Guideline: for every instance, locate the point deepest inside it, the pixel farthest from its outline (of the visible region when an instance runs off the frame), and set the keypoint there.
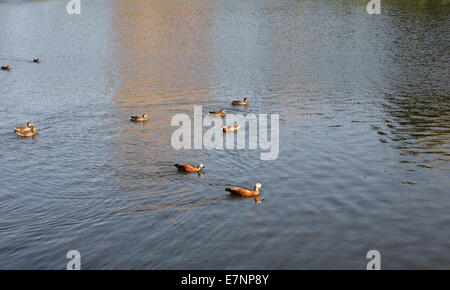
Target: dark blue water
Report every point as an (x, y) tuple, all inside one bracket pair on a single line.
[(364, 134)]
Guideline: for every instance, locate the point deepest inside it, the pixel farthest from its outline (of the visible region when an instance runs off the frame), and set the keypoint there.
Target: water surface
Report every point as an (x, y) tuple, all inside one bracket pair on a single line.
[(364, 134)]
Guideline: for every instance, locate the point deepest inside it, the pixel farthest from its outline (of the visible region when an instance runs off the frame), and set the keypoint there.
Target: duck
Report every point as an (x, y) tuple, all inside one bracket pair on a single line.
[(28, 133), (220, 113), (8, 67), (37, 60), (244, 191), (137, 118), (189, 168), (240, 103), (233, 128), (25, 128)]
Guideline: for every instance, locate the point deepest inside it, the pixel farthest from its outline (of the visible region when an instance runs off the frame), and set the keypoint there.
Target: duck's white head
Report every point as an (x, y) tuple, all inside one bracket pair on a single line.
[(258, 185), (201, 165)]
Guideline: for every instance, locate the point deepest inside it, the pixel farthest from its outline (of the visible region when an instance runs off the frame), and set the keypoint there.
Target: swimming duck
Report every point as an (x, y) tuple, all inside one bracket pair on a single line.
[(25, 128), (6, 67), (28, 133), (136, 118), (240, 103), (233, 128), (37, 60), (220, 113), (244, 191), (189, 168)]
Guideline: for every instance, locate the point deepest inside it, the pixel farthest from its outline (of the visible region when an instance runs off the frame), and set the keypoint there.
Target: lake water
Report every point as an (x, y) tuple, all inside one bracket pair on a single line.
[(364, 161)]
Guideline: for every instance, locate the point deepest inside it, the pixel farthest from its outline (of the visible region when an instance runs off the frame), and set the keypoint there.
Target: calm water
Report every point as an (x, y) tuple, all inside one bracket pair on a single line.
[(364, 162)]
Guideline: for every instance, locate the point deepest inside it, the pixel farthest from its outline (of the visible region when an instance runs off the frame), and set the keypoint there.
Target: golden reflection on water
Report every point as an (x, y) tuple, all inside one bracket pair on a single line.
[(162, 55)]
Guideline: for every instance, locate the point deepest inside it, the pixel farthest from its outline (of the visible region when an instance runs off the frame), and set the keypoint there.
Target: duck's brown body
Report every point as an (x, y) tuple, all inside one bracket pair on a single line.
[(6, 67), (188, 167), (240, 103), (244, 191), (37, 60), (28, 133), (23, 129), (136, 118), (220, 113), (230, 128)]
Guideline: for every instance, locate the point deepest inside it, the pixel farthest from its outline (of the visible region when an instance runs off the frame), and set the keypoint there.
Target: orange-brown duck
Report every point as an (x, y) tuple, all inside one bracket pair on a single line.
[(29, 133), (240, 103), (220, 113), (188, 167), (233, 128), (137, 118), (24, 128), (244, 191)]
